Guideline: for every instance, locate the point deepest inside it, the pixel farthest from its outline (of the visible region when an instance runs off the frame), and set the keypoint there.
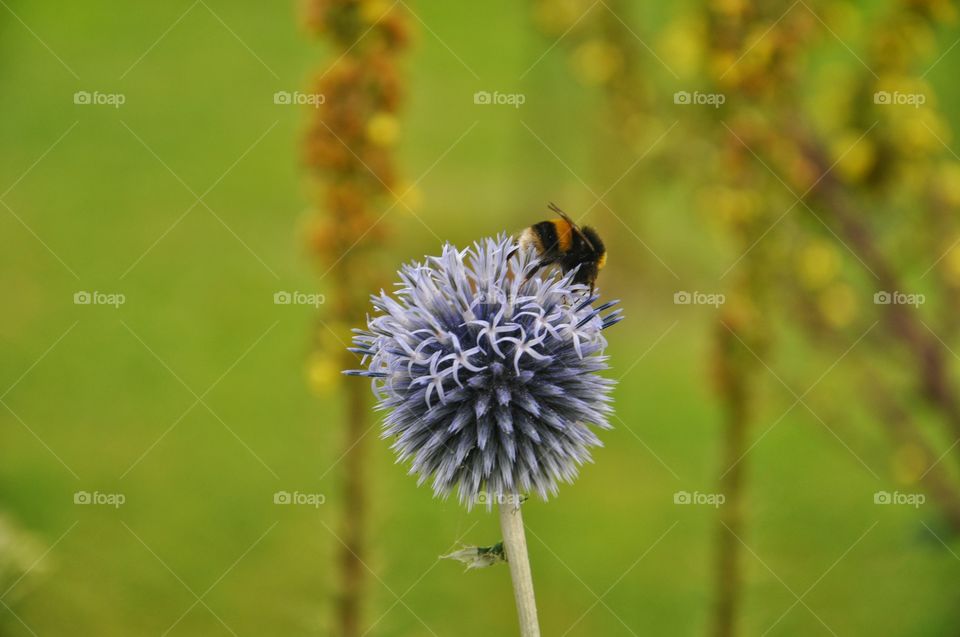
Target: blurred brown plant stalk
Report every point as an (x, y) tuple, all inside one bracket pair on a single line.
[(741, 341), (870, 195), (836, 195), (349, 153), (828, 168), (734, 370), (869, 188)]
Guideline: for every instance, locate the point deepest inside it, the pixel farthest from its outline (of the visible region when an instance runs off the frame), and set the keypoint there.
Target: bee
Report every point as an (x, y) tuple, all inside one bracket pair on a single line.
[(562, 242)]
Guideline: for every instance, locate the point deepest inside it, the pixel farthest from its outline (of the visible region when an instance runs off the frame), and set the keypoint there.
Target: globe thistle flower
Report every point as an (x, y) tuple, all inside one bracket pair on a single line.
[(491, 381)]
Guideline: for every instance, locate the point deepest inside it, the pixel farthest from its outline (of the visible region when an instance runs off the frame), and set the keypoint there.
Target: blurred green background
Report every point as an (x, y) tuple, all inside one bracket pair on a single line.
[(192, 398)]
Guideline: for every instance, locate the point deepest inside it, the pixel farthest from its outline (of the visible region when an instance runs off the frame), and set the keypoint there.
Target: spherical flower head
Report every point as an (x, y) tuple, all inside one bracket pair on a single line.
[(491, 380)]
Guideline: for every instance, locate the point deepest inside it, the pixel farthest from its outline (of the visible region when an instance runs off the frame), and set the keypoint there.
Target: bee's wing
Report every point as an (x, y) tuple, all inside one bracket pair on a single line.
[(573, 224)]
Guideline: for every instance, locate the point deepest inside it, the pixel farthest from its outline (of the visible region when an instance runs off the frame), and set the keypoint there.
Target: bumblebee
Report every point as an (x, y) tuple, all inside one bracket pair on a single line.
[(562, 242)]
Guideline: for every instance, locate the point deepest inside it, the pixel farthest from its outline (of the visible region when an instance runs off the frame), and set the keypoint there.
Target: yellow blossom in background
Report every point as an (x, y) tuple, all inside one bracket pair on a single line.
[(409, 197), (909, 463), (638, 129), (843, 18), (838, 305), (724, 68), (596, 61), (921, 38), (323, 373), (831, 103), (682, 44), (921, 132), (557, 16), (323, 366), (373, 10), (641, 132), (854, 154), (818, 264), (943, 10), (951, 266), (910, 120), (729, 206), (947, 180), (741, 313), (759, 46), (383, 129), (800, 172), (729, 8), (915, 176), (905, 85)]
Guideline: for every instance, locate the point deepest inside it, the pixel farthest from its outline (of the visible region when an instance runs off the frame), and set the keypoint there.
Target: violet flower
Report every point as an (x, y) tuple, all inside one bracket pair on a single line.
[(491, 381)]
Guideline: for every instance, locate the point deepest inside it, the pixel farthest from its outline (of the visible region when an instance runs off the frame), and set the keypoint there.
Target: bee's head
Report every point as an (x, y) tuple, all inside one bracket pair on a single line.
[(594, 238), (599, 251), (587, 273)]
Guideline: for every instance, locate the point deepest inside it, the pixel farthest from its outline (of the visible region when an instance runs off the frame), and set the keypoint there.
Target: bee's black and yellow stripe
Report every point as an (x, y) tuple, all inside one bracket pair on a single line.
[(554, 237)]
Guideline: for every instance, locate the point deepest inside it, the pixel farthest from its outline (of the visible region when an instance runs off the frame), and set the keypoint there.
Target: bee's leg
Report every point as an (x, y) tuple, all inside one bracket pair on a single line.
[(540, 264)]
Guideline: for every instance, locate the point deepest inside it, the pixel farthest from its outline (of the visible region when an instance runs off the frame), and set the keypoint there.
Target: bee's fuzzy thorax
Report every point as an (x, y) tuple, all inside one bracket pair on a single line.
[(529, 239)]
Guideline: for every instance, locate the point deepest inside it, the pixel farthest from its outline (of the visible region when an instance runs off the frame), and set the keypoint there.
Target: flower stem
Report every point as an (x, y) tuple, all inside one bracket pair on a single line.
[(515, 543), (352, 570)]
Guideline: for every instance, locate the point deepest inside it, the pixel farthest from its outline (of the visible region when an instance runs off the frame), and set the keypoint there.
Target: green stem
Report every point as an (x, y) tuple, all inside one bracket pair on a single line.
[(515, 543)]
